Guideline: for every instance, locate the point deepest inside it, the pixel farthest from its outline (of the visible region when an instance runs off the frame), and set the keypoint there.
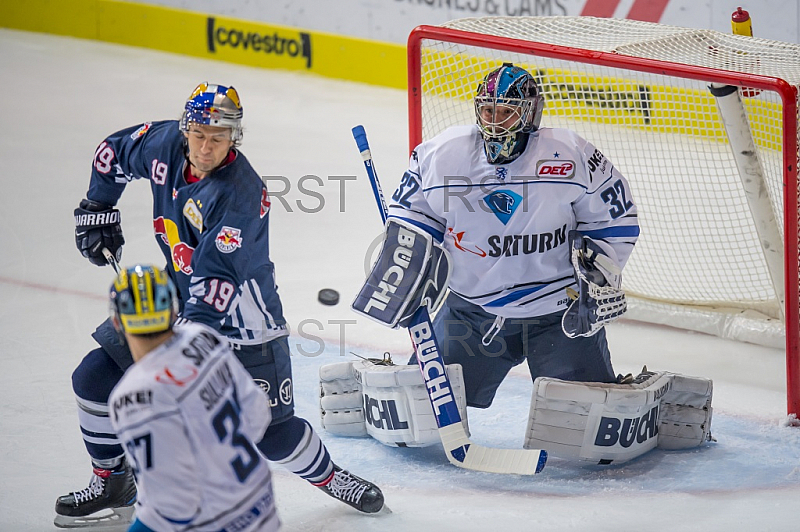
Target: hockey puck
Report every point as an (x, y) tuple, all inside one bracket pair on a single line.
[(328, 296)]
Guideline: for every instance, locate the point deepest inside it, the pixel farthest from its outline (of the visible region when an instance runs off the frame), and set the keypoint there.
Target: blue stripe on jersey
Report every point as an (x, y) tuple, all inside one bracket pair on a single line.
[(546, 294), (513, 296), (176, 521), (618, 231), (508, 184), (438, 235)]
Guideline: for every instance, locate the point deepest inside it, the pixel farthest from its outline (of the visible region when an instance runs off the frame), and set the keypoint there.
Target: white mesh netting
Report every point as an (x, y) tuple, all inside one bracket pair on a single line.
[(699, 263)]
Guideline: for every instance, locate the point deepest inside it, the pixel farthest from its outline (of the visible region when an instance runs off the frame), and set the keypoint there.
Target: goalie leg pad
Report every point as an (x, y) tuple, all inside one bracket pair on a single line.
[(685, 414), (411, 270), (596, 422), (388, 402), (397, 409), (340, 402), (605, 423)]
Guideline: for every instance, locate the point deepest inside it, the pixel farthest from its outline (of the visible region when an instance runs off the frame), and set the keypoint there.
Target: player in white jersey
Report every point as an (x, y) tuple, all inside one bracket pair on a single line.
[(510, 201), (188, 415), (530, 228)]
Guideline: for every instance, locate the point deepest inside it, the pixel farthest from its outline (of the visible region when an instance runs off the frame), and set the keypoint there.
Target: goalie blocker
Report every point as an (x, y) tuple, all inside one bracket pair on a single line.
[(388, 402), (605, 423), (412, 270)]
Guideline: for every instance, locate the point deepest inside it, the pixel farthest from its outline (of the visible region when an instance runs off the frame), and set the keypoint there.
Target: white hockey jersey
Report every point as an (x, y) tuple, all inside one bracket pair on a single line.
[(188, 415), (507, 226)]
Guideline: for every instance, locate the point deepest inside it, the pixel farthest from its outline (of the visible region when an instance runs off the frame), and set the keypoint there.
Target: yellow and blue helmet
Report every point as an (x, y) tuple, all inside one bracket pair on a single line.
[(214, 105), (143, 300)]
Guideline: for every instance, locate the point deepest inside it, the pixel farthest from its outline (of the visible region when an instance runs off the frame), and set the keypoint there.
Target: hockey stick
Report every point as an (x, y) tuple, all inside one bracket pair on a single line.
[(459, 449), (112, 260)]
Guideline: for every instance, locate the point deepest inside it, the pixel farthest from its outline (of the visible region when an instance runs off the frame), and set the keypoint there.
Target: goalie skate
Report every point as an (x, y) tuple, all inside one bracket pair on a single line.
[(354, 491), (107, 501)]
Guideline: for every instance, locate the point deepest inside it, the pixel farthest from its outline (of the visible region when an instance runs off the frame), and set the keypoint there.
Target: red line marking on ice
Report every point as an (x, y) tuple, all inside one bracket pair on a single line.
[(48, 288)]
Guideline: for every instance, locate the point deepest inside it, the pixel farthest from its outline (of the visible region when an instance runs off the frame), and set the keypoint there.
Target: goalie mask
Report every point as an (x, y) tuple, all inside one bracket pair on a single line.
[(214, 105), (143, 301), (508, 107)]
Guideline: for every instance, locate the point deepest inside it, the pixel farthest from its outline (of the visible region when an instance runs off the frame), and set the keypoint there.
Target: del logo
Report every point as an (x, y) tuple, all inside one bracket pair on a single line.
[(503, 203), (229, 239), (272, 43), (555, 168), (193, 214), (181, 252), (141, 131)]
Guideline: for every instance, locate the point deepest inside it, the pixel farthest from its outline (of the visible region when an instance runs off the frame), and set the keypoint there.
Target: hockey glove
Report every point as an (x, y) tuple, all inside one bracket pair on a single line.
[(97, 226), (599, 299)]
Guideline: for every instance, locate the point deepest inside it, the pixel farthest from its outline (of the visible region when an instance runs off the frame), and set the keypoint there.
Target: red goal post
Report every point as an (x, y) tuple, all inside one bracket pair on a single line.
[(718, 201)]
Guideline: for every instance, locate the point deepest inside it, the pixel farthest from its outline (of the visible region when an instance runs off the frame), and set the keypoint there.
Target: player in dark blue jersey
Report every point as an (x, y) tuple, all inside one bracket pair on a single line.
[(211, 221)]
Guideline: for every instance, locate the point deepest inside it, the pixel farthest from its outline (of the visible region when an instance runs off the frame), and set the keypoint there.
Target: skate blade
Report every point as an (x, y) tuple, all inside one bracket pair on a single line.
[(385, 510), (104, 518)]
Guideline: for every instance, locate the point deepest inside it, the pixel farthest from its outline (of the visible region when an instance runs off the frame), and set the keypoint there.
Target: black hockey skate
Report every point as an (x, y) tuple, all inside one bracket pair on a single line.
[(355, 491), (107, 501)]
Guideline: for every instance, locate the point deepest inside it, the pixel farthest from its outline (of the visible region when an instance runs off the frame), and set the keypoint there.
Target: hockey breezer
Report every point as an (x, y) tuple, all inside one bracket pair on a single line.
[(460, 451)]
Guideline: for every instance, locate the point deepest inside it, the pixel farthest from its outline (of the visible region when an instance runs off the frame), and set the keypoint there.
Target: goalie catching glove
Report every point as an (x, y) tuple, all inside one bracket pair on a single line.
[(412, 270), (599, 299), (388, 402)]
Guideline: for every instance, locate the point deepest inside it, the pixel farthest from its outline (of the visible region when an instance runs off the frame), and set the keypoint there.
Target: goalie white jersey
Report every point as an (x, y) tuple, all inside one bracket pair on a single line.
[(188, 415), (506, 226)]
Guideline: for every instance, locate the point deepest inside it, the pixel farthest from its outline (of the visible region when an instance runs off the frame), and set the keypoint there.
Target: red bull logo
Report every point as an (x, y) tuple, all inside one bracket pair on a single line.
[(181, 252), (229, 239), (182, 257), (141, 131)]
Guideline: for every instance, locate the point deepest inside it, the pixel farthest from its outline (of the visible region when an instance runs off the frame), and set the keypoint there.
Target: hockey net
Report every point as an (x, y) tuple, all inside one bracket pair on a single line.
[(640, 93)]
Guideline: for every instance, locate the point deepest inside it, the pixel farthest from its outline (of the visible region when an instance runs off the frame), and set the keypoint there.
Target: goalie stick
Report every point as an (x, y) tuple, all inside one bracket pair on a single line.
[(459, 449)]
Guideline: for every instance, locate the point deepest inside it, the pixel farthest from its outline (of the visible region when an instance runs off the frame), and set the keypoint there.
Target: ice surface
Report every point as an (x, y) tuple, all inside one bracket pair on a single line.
[(62, 96)]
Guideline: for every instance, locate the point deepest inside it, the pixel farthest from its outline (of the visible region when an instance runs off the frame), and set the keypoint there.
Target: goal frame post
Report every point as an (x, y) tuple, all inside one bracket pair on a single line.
[(787, 92)]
